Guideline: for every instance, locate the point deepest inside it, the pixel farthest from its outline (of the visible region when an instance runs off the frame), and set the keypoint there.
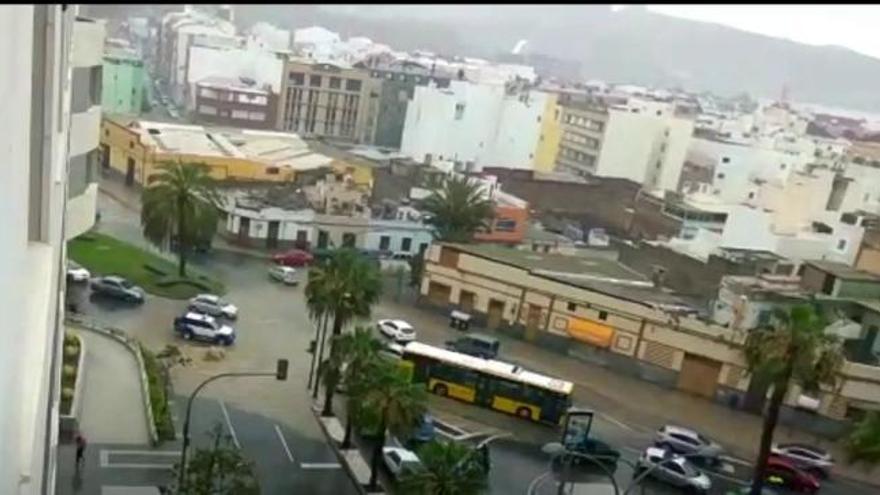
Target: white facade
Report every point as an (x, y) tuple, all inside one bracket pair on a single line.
[(399, 237), (264, 67), (477, 123), (648, 146), (265, 36), (35, 119)]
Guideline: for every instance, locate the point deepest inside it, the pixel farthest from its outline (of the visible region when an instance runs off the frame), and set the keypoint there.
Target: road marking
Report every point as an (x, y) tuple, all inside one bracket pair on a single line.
[(611, 419), (320, 465), (229, 424), (734, 460), (284, 443), (104, 459)]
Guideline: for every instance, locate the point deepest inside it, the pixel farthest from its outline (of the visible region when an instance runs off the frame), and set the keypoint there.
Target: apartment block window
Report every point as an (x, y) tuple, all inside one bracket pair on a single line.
[(725, 159), (314, 80), (384, 243), (459, 111), (297, 78), (352, 85), (505, 225), (603, 315), (572, 307), (841, 244), (272, 170), (406, 244), (207, 110), (335, 82)]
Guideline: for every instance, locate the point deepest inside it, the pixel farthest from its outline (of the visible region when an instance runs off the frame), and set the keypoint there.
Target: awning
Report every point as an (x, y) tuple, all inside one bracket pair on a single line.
[(590, 332)]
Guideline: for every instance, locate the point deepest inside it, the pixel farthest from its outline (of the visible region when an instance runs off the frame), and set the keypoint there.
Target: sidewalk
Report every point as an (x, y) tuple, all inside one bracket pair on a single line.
[(639, 404)]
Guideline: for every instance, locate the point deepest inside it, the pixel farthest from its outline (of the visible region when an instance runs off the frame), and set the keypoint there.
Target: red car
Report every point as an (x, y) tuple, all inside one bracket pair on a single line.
[(294, 257), (783, 473)]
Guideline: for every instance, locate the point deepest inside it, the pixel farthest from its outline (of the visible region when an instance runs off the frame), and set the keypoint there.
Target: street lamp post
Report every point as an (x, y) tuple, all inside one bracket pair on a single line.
[(280, 374)]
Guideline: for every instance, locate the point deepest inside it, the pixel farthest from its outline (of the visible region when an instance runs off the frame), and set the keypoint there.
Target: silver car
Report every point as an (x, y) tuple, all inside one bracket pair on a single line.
[(811, 459), (283, 274), (214, 306), (687, 442), (674, 469)]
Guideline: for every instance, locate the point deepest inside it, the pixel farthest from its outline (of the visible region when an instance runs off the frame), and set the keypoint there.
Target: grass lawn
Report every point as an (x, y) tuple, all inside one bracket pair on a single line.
[(105, 255)]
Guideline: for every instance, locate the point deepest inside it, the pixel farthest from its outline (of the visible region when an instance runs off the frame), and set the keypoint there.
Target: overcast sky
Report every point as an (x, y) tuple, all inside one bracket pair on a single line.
[(851, 26)]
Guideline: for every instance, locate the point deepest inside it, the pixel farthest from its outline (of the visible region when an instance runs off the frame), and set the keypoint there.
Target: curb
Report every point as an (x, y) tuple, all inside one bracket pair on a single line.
[(134, 348), (343, 460)]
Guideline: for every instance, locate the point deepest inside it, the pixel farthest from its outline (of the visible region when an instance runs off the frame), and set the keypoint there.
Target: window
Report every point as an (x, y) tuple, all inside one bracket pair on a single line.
[(720, 175), (725, 160), (272, 170), (405, 244), (841, 244), (752, 195), (335, 82), (603, 315), (352, 85), (384, 243), (422, 247), (297, 78), (505, 225), (348, 239), (782, 167), (572, 307), (314, 80), (459, 111)]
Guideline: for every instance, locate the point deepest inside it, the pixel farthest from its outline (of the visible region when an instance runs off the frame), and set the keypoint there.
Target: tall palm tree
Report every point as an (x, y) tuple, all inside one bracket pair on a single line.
[(361, 350), (863, 444), (398, 402), (451, 468), (458, 209), (180, 204), (793, 349), (331, 371)]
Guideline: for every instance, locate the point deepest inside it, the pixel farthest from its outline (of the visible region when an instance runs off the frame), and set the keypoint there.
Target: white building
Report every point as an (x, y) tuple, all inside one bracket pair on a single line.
[(265, 36), (35, 55), (206, 61), (479, 125)]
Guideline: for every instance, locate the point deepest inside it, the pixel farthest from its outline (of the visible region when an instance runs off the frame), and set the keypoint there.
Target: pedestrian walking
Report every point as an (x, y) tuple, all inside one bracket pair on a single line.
[(80, 449)]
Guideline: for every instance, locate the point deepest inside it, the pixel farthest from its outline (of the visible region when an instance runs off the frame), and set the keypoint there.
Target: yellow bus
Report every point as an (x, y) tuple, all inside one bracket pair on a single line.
[(494, 384)]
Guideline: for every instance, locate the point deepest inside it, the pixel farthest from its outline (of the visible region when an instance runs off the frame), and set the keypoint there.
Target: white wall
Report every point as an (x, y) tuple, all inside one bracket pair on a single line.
[(81, 212), (264, 67), (396, 230), (30, 264), (863, 189)]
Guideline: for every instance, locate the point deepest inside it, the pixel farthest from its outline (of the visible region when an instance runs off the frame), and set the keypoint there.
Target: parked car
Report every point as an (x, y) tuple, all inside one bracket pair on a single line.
[(424, 430), (117, 288), (400, 461), (782, 473), (674, 469), (294, 257), (397, 330), (475, 344), (688, 442), (214, 306), (813, 460), (199, 326), (283, 274), (76, 273)]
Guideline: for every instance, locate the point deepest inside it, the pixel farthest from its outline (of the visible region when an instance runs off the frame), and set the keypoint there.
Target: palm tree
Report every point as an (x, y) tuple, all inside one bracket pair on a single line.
[(361, 350), (348, 284), (448, 471), (794, 349), (180, 204), (458, 209), (398, 403), (331, 371), (863, 444)]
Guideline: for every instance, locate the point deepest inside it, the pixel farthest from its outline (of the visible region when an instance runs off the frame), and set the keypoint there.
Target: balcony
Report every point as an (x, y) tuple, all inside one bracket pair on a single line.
[(88, 42), (85, 128), (80, 212)]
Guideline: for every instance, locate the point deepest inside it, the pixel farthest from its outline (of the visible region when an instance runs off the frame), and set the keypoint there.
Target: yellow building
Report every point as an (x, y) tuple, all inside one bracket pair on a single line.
[(550, 135), (602, 310), (135, 147)]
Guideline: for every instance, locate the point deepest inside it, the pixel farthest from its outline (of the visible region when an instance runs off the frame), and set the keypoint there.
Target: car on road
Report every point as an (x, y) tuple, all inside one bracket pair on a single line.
[(782, 473), (688, 442), (400, 461), (397, 330), (199, 326), (283, 274), (813, 460), (76, 273), (117, 288), (294, 257), (475, 344), (212, 304), (672, 468)]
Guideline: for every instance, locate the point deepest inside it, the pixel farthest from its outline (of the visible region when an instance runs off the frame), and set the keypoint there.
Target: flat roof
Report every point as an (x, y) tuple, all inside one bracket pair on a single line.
[(843, 271), (554, 264)]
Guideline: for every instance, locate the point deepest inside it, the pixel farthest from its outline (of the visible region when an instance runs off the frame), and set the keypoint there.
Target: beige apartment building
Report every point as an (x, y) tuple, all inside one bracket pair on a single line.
[(583, 125), (601, 311), (326, 100)]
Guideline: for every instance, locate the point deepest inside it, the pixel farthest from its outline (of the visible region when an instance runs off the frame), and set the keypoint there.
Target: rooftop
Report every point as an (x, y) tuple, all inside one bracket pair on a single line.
[(240, 84), (843, 271)]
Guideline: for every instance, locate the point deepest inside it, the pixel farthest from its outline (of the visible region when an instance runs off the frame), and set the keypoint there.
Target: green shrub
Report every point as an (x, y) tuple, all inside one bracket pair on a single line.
[(155, 269), (177, 281), (71, 351), (67, 393), (158, 398), (71, 340), (69, 371)]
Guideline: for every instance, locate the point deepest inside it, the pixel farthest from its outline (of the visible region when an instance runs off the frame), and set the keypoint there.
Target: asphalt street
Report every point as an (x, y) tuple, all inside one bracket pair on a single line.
[(271, 421)]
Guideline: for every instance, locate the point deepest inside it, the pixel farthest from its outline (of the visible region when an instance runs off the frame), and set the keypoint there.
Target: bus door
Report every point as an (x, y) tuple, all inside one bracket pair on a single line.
[(485, 390)]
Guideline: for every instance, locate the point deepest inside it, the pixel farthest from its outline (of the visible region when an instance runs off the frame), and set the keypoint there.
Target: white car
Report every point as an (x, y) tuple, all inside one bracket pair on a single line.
[(397, 330), (400, 461), (213, 305), (674, 469), (199, 326), (76, 273), (284, 274)]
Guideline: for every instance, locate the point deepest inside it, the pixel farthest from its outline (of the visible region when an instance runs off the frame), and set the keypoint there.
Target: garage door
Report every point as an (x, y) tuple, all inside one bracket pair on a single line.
[(438, 293), (699, 375)]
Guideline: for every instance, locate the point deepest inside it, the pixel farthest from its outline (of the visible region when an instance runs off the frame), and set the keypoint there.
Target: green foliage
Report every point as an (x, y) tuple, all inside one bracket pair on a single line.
[(180, 203), (219, 470), (71, 351), (101, 253), (345, 286), (69, 370), (458, 209), (450, 468), (156, 380), (863, 444)]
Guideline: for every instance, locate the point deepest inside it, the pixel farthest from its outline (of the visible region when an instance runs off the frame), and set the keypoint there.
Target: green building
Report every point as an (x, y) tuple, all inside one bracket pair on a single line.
[(123, 82)]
